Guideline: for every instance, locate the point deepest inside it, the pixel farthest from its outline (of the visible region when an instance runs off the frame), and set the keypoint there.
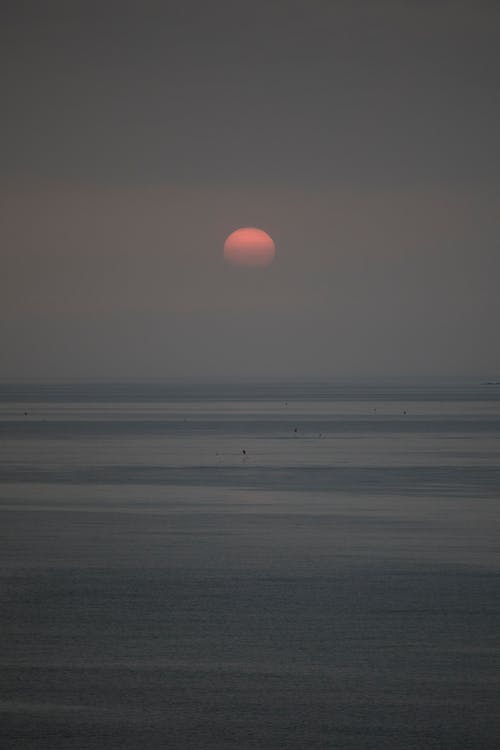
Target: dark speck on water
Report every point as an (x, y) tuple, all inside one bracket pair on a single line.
[(341, 593)]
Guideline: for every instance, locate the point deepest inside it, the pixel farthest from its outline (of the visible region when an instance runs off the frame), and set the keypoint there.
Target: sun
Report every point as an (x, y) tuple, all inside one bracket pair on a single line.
[(249, 247)]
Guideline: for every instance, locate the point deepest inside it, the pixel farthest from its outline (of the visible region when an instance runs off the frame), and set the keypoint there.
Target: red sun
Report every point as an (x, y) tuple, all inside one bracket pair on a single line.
[(249, 247)]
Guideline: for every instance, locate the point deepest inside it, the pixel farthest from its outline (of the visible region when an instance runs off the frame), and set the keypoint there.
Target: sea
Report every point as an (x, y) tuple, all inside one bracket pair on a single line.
[(250, 565)]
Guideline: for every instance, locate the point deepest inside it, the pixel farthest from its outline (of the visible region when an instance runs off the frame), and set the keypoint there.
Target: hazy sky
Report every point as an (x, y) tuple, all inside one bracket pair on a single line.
[(363, 136)]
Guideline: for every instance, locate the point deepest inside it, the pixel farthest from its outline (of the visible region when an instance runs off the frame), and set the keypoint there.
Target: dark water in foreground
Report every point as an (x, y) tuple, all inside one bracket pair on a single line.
[(337, 586)]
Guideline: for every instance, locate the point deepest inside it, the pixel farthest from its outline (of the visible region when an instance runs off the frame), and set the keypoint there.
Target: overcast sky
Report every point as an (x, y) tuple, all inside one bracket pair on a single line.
[(363, 136)]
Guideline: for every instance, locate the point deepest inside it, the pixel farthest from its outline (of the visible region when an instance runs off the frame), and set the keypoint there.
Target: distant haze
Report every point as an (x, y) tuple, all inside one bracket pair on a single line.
[(362, 136)]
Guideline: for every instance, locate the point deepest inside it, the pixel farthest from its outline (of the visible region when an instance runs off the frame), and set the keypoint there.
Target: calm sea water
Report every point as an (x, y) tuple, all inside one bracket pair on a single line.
[(272, 566)]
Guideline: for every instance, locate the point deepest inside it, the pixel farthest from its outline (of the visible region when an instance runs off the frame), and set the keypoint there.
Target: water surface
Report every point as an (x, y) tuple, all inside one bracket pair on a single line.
[(335, 585)]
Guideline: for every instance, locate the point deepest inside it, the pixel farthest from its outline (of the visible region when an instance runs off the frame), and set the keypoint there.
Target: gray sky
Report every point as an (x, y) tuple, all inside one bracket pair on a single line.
[(363, 136)]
